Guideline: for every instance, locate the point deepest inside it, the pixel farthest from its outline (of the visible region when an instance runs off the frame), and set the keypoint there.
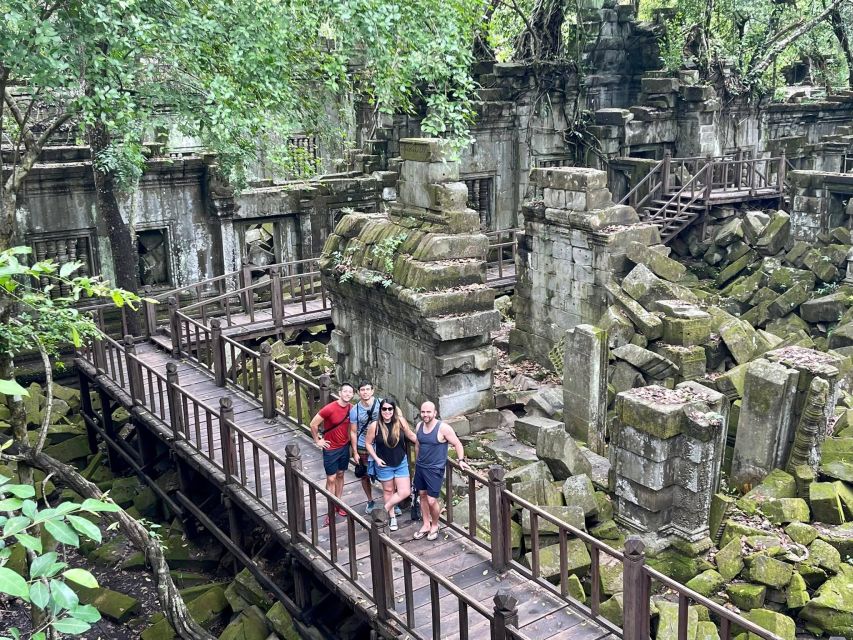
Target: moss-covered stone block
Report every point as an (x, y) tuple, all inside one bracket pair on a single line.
[(801, 533), (826, 503), (824, 555), (707, 583), (784, 510), (246, 627), (612, 610), (831, 608), (576, 589), (747, 596), (251, 591), (282, 622), (678, 566), (778, 623), (577, 556), (113, 605), (668, 621), (706, 630), (735, 530), (797, 595), (729, 559), (770, 571)]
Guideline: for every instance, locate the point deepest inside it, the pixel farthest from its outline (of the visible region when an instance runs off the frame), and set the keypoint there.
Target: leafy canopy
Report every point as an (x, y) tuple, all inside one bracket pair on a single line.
[(236, 73)]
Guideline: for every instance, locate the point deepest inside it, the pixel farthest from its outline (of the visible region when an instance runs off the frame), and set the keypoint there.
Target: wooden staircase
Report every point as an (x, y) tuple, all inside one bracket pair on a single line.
[(673, 213), (704, 182)]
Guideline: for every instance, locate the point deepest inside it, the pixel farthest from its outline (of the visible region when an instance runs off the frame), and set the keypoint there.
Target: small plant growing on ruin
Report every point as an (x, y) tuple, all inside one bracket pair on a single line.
[(342, 263), (386, 250)]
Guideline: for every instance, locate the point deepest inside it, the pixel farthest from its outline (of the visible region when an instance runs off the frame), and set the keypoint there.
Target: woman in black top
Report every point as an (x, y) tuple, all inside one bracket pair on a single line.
[(386, 445)]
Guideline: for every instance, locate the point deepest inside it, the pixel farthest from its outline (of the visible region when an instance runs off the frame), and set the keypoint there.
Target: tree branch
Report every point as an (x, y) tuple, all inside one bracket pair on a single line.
[(48, 394), (20, 119), (781, 44), (170, 599)]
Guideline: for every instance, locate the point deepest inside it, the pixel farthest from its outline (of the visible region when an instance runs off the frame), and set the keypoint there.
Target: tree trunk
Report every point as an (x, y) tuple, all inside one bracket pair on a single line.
[(840, 32), (122, 243), (542, 38), (173, 605)]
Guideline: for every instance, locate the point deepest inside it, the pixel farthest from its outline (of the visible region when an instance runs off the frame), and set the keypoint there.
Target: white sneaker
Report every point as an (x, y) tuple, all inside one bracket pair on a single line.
[(393, 525)]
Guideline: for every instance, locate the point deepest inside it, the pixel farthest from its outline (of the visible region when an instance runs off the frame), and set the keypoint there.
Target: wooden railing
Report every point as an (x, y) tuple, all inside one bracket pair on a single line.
[(252, 288), (245, 461), (503, 248), (736, 172)]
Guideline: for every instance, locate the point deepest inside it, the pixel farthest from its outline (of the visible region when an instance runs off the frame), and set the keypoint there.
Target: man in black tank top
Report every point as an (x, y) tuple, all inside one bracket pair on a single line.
[(434, 436)]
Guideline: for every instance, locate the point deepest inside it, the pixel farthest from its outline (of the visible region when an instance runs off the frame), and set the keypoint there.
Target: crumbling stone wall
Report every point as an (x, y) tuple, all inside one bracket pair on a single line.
[(820, 202), (574, 242), (419, 331)]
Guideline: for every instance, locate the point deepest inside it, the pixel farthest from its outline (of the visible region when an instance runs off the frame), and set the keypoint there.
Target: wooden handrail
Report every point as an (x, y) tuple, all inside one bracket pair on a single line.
[(631, 192)]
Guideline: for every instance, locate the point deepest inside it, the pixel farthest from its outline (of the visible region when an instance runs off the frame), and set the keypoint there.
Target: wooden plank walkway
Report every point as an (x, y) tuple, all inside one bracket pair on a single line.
[(541, 613)]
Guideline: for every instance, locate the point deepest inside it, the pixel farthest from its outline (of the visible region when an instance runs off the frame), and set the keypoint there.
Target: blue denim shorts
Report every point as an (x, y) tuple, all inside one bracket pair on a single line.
[(384, 474)]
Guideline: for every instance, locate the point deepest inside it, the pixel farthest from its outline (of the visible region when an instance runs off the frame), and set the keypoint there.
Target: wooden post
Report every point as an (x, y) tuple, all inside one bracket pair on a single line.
[(174, 327), (275, 297), (149, 313), (325, 383), (664, 172), (99, 355), (218, 346), (498, 529), (301, 585), (380, 564), (233, 526), (267, 381), (134, 372), (506, 614), (226, 417), (294, 491), (176, 409), (246, 281), (114, 459), (739, 182), (636, 596), (86, 409)]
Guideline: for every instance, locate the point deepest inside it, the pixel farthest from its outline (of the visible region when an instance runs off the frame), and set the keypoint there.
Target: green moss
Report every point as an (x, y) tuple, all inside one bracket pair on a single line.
[(707, 583), (747, 596)]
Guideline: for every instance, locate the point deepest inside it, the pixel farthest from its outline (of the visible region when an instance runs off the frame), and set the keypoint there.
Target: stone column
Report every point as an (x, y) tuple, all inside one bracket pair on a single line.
[(410, 306), (667, 447), (574, 242), (766, 424), (585, 385)]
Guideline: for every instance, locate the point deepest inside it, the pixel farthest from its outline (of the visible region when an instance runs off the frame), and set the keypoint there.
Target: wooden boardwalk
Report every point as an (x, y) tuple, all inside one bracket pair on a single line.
[(431, 609)]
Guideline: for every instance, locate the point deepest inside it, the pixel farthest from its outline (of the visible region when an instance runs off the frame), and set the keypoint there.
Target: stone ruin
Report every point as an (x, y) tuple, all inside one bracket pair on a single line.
[(411, 310)]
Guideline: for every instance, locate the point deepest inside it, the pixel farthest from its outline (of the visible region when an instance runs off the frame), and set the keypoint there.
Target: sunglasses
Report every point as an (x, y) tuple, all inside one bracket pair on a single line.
[(387, 408)]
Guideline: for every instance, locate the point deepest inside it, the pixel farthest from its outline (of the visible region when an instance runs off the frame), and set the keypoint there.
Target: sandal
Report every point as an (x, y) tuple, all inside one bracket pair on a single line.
[(432, 535), (419, 534), (340, 511)]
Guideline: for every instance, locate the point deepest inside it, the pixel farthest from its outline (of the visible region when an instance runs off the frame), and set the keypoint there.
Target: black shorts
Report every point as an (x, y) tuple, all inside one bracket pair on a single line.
[(429, 480), (335, 460)]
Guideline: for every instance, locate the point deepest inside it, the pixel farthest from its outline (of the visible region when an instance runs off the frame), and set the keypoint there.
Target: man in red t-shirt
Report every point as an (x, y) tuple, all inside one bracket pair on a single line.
[(335, 440)]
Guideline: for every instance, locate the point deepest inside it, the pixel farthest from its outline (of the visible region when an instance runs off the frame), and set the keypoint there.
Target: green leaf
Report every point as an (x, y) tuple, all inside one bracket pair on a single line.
[(63, 595), (81, 577), (62, 533), (71, 626), (29, 508), (85, 527), (20, 490), (86, 613), (118, 299), (30, 542), (12, 388), (68, 268), (75, 338), (13, 584), (41, 565), (93, 506), (14, 525), (40, 594), (11, 504)]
